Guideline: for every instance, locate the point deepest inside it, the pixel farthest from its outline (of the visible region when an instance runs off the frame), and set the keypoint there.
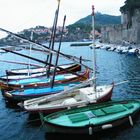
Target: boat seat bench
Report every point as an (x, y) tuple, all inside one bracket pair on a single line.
[(113, 109), (128, 106), (98, 112), (78, 117)]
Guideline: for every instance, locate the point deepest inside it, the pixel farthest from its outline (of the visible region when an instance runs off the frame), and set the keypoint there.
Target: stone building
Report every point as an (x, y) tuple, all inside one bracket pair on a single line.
[(127, 31)]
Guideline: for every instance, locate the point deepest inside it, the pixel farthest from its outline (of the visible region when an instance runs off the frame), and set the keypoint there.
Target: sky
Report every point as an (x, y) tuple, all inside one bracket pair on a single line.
[(16, 15)]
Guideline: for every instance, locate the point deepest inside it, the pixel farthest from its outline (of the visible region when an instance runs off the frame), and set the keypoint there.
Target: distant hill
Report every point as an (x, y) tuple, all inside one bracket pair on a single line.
[(101, 19), (82, 28), (79, 30)]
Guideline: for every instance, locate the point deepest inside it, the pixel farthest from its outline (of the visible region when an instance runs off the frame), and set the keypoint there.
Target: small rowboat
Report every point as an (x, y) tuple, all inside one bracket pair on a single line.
[(69, 99), (91, 119), (29, 93), (73, 67), (38, 72)]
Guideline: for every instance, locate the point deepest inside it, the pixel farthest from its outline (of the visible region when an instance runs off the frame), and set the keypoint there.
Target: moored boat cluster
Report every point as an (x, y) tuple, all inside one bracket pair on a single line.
[(127, 49), (66, 97)]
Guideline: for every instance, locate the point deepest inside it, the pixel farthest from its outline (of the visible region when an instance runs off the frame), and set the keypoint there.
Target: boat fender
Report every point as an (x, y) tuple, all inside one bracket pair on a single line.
[(35, 85), (137, 51), (22, 86), (7, 94), (68, 107), (107, 126), (90, 130), (93, 101), (130, 120)]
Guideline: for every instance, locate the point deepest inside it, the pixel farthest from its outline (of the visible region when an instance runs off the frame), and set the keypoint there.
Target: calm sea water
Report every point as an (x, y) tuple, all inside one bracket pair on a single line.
[(16, 124)]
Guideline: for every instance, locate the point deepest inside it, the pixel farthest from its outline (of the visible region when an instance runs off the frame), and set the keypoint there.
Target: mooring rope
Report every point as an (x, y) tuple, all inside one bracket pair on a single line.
[(36, 132), (34, 120)]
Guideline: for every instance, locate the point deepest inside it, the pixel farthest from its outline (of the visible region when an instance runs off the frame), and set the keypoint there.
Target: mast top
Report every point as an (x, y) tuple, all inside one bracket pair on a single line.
[(93, 10), (58, 1)]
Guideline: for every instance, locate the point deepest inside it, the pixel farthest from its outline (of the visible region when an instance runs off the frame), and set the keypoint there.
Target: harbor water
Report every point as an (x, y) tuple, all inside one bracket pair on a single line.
[(16, 124)]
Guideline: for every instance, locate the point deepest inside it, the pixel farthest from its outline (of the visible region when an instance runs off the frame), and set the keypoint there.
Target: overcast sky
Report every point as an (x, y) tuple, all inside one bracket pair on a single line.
[(16, 15)]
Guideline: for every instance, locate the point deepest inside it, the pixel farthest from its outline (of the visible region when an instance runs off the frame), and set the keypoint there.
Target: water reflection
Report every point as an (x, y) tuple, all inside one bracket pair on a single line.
[(111, 66)]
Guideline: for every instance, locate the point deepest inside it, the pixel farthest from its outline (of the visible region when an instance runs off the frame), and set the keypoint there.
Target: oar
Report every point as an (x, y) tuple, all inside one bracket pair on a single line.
[(121, 83), (49, 50)]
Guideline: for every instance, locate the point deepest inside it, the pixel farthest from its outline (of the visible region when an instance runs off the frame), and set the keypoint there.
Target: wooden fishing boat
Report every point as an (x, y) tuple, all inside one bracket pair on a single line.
[(72, 67), (69, 99), (78, 97), (60, 82), (44, 81), (91, 119), (28, 93), (37, 72), (19, 77)]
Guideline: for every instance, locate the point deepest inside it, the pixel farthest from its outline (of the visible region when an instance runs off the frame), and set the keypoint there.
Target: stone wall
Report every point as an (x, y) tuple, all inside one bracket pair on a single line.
[(120, 33)]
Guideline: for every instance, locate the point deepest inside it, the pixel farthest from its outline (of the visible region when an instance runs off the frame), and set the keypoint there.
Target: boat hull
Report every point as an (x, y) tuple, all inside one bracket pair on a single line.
[(123, 117), (104, 98), (18, 76), (11, 96), (71, 67), (89, 129)]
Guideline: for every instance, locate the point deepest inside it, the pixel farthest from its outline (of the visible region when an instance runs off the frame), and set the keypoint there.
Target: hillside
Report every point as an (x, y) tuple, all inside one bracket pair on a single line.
[(101, 19), (82, 28)]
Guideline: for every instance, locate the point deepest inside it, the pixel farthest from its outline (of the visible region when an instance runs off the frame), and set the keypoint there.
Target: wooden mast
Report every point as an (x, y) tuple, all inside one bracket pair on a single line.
[(50, 42), (94, 53), (57, 57), (53, 36)]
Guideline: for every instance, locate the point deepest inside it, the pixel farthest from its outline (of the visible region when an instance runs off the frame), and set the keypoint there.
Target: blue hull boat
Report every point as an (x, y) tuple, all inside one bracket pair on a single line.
[(29, 93)]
